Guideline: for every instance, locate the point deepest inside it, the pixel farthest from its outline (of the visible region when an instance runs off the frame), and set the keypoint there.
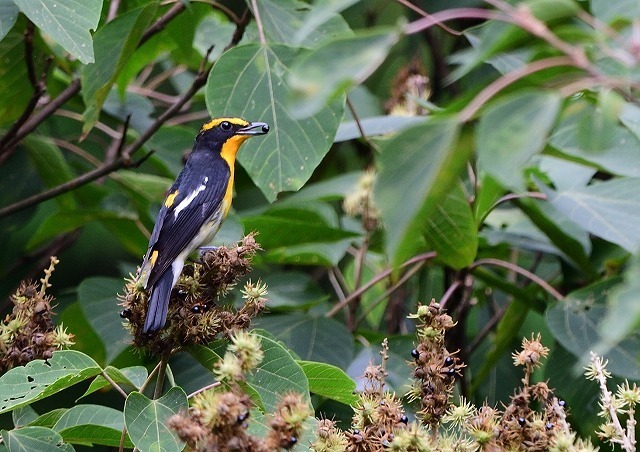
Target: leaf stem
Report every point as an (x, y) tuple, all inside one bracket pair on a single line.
[(376, 279), (115, 385), (521, 271), (256, 15), (162, 369)]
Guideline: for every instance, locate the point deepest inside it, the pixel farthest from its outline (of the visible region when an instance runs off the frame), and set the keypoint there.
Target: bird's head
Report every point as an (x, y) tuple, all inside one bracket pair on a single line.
[(228, 133)]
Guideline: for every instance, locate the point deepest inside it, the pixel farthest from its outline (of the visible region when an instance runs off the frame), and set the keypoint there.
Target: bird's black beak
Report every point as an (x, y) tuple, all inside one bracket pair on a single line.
[(254, 128)]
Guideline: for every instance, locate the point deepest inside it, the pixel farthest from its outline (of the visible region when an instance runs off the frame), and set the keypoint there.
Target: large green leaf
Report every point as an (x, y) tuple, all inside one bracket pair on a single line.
[(146, 420), (114, 44), (66, 21), (351, 59), (97, 297), (376, 125), (39, 379), (609, 12), (92, 424), (8, 16), (39, 439), (294, 23), (251, 81), (623, 316), (16, 89), (451, 230), (417, 168), (134, 376), (329, 381), (610, 210), (614, 155), (278, 374), (321, 14), (577, 324), (293, 226), (52, 167), (62, 222), (312, 338), (511, 131)]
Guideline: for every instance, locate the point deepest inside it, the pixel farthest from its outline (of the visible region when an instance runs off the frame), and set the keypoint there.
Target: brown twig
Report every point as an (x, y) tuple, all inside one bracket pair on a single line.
[(521, 271), (454, 13), (123, 161), (423, 13), (74, 88), (115, 385), (376, 279), (256, 15), (39, 87)]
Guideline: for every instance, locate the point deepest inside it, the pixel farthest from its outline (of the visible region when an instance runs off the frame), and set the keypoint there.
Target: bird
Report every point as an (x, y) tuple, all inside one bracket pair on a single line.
[(193, 210)]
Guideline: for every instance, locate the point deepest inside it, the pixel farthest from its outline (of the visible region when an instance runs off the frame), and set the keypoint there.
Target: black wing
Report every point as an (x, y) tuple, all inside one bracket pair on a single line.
[(200, 195)]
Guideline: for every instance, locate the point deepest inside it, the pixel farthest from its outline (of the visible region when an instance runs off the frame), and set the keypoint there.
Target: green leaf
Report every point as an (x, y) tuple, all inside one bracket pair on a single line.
[(451, 230), (376, 125), (146, 420), (24, 415), (610, 210), (250, 81), (313, 338), (352, 59), (97, 297), (67, 221), (329, 381), (30, 439), (511, 131), (16, 88), (320, 13), (294, 23), (115, 42), (92, 424), (149, 186), (134, 376), (39, 379), (609, 12), (52, 167), (293, 226), (623, 316), (624, 145), (8, 16), (277, 375), (48, 419), (417, 167), (292, 288), (577, 324), (67, 21), (566, 235)]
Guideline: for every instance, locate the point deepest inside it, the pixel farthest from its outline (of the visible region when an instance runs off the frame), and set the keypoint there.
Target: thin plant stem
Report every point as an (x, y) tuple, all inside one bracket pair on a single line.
[(521, 271), (115, 385), (164, 361), (256, 15), (203, 389)]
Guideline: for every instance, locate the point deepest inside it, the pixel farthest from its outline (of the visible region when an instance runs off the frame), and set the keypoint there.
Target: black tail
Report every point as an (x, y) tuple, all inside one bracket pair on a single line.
[(159, 302)]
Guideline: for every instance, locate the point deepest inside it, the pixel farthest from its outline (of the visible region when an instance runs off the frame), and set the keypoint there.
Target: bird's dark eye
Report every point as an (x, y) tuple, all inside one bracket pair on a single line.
[(225, 125)]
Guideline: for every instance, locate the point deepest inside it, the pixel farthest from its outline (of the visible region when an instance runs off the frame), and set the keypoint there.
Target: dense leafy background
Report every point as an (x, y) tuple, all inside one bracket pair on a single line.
[(506, 150)]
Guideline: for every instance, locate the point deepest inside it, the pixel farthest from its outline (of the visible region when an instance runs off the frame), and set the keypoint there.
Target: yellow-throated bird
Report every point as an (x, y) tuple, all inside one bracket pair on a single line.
[(197, 203)]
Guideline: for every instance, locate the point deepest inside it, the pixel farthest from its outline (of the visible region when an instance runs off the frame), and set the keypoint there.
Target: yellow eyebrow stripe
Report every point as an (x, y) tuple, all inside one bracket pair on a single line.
[(171, 198), (216, 122)]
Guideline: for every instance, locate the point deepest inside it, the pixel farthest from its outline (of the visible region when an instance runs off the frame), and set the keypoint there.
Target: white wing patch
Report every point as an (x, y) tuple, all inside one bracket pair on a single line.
[(189, 199)]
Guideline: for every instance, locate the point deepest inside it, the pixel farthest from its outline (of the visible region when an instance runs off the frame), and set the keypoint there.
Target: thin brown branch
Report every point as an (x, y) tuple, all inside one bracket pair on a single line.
[(162, 22), (102, 127), (164, 361), (256, 15), (507, 79), (423, 13), (113, 10), (454, 13), (74, 87), (409, 273), (115, 385), (203, 389), (122, 161), (449, 292), (521, 271), (376, 279)]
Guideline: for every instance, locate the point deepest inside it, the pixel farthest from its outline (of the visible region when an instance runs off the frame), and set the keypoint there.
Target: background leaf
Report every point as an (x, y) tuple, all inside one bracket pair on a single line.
[(416, 167), (284, 159), (34, 438), (146, 420), (511, 131), (39, 379), (329, 381), (66, 21)]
